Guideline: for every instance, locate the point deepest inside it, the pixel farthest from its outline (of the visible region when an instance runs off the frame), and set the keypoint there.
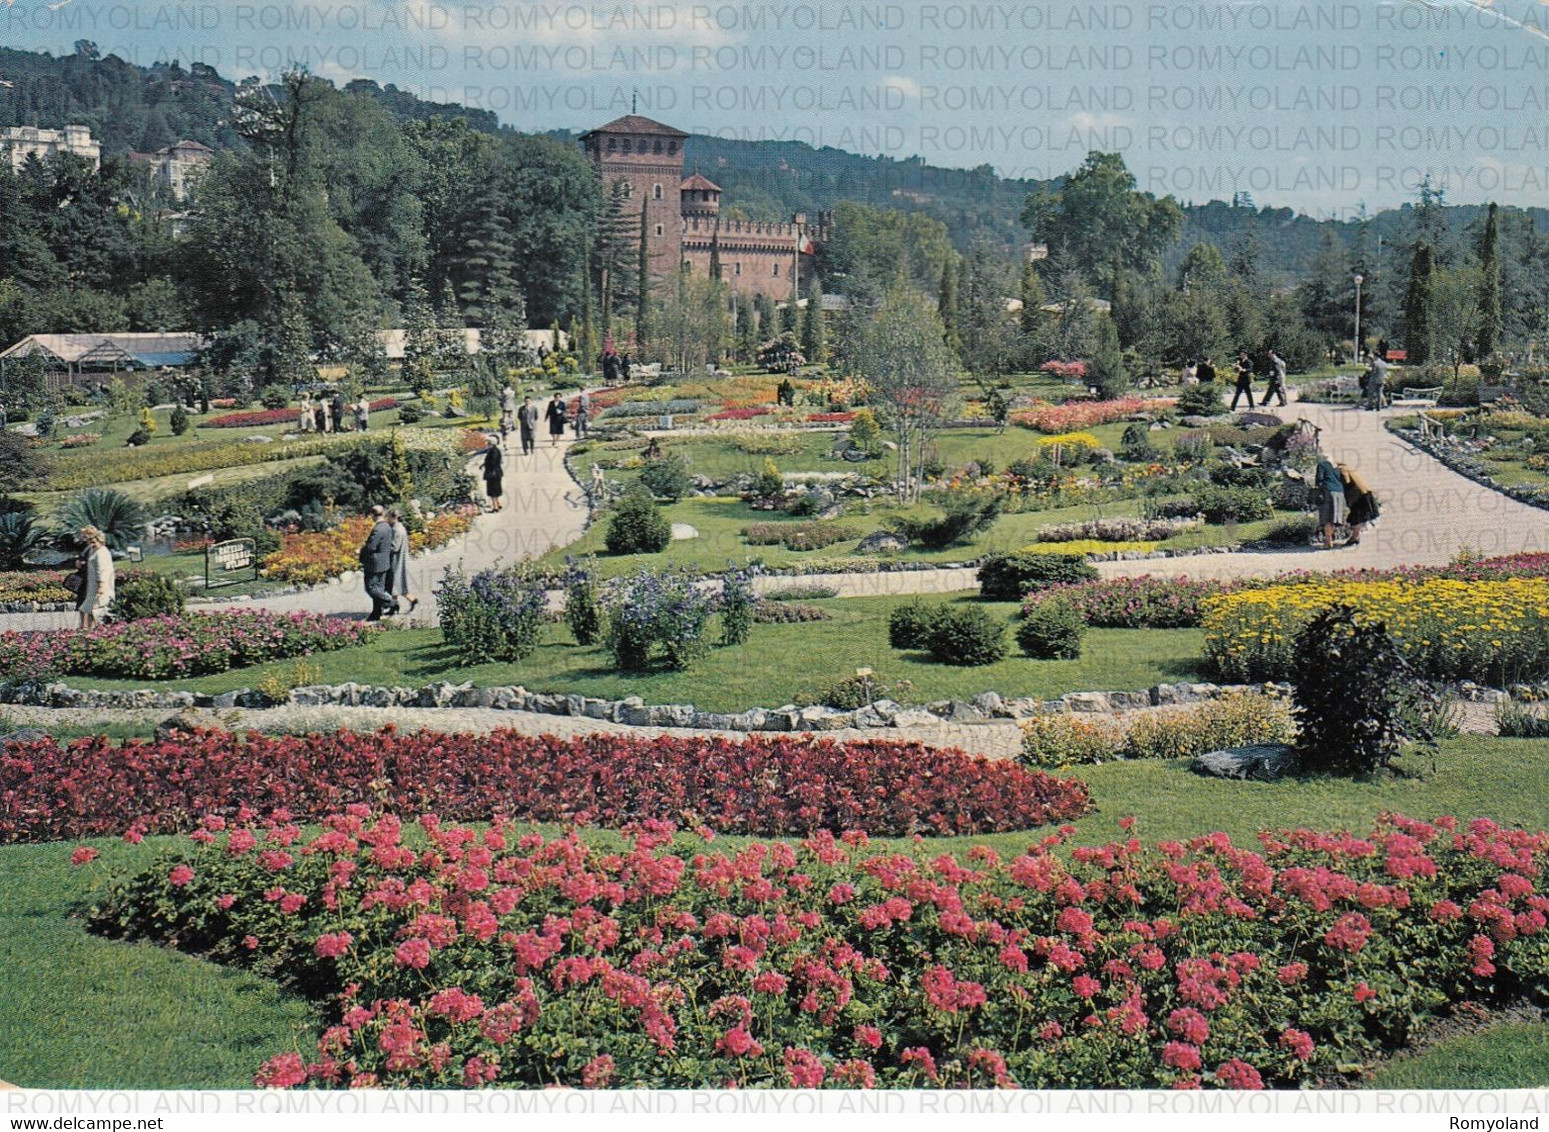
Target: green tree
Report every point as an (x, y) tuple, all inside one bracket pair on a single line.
[(1107, 374), (1418, 302), (643, 291), (747, 329), (814, 334), (1487, 336), (946, 305), (1454, 315), (1097, 220)]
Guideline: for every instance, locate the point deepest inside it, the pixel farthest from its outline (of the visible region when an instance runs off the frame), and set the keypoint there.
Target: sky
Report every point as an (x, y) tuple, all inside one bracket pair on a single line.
[(1325, 107)]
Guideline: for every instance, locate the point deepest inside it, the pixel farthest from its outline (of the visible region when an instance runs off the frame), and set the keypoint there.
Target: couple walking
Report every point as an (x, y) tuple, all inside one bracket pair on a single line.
[(525, 418), (1244, 386), (384, 557)]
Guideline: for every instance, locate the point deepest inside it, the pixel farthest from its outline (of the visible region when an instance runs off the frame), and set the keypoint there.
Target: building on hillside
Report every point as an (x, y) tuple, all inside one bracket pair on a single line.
[(176, 166), (71, 357), (683, 222), (17, 143)]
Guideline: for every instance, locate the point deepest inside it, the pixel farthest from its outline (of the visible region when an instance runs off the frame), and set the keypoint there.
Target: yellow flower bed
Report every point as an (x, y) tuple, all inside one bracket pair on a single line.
[(1489, 631), (1087, 546), (310, 557), (1072, 442)]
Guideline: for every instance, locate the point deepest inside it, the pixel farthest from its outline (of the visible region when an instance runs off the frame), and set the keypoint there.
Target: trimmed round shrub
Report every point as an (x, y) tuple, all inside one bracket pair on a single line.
[(638, 526), (969, 637), (1203, 400), (909, 626), (1234, 504), (1007, 576), (1052, 630), (143, 594)]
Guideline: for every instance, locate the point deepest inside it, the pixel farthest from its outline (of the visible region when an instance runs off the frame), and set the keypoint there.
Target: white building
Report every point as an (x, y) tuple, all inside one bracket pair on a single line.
[(176, 166), (21, 142)]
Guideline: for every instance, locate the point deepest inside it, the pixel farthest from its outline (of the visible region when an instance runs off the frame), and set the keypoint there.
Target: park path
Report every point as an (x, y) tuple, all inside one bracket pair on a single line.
[(1429, 514)]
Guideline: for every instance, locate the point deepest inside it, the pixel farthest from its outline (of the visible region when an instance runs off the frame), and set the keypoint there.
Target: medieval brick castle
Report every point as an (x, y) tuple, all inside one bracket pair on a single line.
[(683, 215)]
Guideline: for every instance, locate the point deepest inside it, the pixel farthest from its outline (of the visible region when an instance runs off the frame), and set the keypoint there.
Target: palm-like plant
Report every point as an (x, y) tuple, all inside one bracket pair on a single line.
[(120, 519), (20, 535)]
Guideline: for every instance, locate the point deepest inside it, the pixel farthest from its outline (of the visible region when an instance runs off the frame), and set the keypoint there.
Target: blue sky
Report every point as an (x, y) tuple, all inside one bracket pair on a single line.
[(1319, 106)]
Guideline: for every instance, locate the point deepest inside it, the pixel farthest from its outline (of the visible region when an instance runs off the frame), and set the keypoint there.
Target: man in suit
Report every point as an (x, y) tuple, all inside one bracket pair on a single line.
[(1244, 380), (527, 418), (376, 560)]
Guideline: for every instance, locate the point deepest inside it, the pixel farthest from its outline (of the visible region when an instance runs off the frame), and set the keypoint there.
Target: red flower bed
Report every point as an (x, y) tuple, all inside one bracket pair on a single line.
[(262, 418), (1067, 370), (741, 414), (502, 957), (778, 785), (830, 418)]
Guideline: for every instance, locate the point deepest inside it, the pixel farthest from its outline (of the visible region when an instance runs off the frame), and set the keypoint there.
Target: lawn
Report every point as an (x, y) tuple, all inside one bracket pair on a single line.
[(779, 664), (139, 1016)]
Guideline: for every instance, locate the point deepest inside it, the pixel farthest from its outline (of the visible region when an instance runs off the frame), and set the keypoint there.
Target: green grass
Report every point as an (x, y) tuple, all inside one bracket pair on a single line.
[(85, 1012), (1510, 1055), (778, 664), (82, 1011)]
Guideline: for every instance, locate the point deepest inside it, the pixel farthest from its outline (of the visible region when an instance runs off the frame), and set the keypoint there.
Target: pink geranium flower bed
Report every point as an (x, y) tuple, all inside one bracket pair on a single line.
[(447, 956), (778, 785)]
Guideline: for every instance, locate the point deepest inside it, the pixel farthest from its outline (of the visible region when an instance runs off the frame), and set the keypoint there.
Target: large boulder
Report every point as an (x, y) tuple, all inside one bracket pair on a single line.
[(882, 542), (1262, 762)]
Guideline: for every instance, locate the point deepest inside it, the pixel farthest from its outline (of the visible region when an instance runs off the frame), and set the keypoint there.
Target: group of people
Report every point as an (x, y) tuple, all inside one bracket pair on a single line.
[(384, 558), (525, 419), (327, 415), (1343, 498), (615, 367), (1203, 372)]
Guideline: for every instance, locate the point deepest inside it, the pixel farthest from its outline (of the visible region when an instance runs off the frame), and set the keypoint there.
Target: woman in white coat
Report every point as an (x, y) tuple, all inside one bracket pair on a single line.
[(98, 594)]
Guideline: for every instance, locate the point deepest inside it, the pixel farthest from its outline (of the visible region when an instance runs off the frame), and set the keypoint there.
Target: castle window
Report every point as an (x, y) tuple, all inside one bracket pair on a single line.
[(626, 145), (777, 269), (658, 229), (738, 266), (657, 146), (656, 192), (613, 144), (672, 147)]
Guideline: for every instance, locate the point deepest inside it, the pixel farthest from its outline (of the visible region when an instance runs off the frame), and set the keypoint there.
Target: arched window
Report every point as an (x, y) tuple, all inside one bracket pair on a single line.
[(626, 145), (656, 147), (672, 147), (613, 144), (656, 192)]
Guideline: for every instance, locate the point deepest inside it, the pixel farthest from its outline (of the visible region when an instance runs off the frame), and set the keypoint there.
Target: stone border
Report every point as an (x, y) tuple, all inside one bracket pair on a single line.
[(1470, 467), (633, 711)]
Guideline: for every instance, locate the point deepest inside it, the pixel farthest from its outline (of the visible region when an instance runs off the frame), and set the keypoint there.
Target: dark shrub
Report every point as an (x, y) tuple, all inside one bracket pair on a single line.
[(582, 612), (909, 626), (138, 438), (967, 636), (141, 593), (274, 396), (1233, 504), (1201, 401), (667, 477), (638, 525), (178, 420), (1355, 707), (1011, 576), (1136, 444), (964, 517), (411, 412), (1051, 630)]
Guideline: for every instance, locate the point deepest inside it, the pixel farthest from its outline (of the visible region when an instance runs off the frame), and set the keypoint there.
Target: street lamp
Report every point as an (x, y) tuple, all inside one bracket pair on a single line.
[(1359, 279)]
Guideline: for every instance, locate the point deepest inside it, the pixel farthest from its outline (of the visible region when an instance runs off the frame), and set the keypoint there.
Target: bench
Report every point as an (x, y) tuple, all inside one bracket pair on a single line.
[(1416, 398), (1431, 428)]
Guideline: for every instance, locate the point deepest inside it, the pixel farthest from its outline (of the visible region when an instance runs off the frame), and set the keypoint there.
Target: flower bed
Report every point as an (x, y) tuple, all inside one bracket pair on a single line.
[(744, 414), (263, 418), (1490, 631), (76, 470), (830, 418), (1075, 415), (47, 586), (812, 535), (1068, 371), (80, 440), (1069, 739), (161, 648), (781, 785), (309, 557), (499, 957)]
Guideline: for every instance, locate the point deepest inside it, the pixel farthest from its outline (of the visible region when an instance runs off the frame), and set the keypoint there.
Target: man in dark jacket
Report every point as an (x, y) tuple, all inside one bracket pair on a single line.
[(527, 418), (1244, 380), (376, 560), (338, 412)]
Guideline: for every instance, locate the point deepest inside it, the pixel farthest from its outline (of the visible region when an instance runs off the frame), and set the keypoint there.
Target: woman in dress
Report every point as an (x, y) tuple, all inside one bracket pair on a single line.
[(556, 416), (1360, 500), (306, 419), (494, 472), (398, 575), (98, 594)]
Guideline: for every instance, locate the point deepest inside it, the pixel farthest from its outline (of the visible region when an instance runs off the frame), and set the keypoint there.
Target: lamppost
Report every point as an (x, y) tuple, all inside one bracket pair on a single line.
[(1359, 279)]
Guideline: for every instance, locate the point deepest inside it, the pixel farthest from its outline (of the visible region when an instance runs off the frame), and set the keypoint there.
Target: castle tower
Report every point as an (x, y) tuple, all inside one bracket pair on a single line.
[(648, 158), (701, 196)]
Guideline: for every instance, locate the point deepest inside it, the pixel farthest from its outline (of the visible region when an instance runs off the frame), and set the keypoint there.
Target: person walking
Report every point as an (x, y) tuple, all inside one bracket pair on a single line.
[(398, 581), (527, 418), (1244, 380), (97, 593), (556, 418), (1360, 500), (507, 412), (494, 476), (1276, 381), (307, 418), (610, 367), (324, 417), (1374, 382), (1332, 508), (376, 561), (624, 368), (583, 414), (362, 414), (338, 411)]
